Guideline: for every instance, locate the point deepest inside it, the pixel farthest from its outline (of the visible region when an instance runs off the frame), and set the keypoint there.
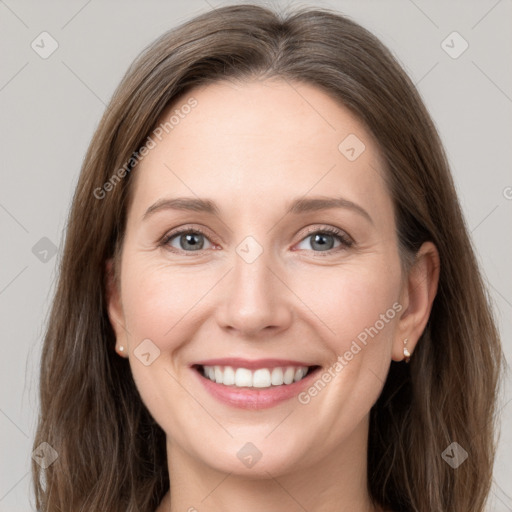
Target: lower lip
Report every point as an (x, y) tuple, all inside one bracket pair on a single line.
[(255, 398)]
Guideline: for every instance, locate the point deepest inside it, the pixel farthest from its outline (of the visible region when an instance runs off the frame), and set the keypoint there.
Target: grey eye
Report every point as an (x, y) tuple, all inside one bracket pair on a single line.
[(189, 241), (320, 241)]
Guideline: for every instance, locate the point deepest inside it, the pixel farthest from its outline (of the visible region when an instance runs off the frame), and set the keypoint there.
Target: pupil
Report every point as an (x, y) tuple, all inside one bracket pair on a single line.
[(322, 244), (191, 241)]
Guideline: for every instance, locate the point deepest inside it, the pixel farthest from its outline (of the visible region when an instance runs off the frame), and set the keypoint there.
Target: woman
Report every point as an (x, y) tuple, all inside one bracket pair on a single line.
[(268, 299)]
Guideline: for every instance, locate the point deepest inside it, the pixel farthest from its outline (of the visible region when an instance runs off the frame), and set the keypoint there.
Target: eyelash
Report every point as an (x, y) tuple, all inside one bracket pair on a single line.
[(346, 241)]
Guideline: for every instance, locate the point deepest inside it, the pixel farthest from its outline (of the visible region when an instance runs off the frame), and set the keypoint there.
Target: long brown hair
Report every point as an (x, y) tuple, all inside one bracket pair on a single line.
[(111, 453)]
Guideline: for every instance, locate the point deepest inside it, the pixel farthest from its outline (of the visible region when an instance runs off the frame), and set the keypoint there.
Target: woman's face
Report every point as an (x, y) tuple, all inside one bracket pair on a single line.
[(287, 262)]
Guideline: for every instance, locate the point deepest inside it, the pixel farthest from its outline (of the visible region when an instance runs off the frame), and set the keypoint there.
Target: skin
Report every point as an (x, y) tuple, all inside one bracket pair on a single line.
[(251, 148)]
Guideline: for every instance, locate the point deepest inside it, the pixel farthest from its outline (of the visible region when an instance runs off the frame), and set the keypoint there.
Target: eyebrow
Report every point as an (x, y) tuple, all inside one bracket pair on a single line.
[(297, 206)]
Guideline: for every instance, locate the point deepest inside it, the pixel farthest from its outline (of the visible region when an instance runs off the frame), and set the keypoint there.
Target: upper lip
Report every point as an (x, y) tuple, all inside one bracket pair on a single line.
[(237, 362)]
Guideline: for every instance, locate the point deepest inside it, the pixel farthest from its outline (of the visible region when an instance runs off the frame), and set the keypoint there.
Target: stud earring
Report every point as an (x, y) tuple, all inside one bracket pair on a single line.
[(407, 354), (121, 348)]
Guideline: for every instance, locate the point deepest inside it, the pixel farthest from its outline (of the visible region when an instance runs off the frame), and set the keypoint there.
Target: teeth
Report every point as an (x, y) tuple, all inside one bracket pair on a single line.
[(260, 378), (299, 374), (229, 376), (289, 374), (277, 377), (243, 377)]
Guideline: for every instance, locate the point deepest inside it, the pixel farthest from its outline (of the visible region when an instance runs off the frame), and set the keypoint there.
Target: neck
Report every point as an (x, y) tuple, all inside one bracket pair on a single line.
[(337, 483)]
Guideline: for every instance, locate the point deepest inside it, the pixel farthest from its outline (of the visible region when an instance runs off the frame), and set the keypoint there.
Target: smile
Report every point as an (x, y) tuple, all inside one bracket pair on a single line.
[(259, 378), (253, 384)]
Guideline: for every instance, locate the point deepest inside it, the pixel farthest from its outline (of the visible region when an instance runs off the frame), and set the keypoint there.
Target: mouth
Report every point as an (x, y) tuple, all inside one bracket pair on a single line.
[(254, 384), (259, 378)]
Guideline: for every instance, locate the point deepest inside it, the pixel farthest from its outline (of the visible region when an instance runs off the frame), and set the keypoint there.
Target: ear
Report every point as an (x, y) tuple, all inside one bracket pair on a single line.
[(417, 297), (115, 310)]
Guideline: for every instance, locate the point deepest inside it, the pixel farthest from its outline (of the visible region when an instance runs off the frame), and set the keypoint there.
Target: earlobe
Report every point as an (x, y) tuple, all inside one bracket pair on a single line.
[(114, 308), (420, 292)]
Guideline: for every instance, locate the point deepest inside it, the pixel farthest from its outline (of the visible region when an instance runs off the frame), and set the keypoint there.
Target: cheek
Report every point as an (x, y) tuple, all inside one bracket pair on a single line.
[(160, 304), (359, 310), (353, 303), (159, 300)]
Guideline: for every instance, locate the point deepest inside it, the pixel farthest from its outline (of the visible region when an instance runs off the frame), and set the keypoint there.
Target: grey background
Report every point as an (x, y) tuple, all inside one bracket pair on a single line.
[(50, 108)]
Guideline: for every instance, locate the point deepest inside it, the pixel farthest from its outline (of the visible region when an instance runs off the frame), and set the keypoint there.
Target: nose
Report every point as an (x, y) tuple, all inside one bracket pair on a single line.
[(255, 300)]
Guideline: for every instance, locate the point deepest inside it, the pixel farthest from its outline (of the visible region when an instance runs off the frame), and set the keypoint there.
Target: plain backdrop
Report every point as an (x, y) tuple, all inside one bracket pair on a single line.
[(51, 106)]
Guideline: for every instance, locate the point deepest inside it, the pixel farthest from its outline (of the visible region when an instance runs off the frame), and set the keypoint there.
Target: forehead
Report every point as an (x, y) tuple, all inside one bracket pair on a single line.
[(259, 139)]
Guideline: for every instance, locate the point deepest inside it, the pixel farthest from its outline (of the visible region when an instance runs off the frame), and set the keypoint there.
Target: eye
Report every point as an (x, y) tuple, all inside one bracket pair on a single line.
[(188, 240), (326, 239), (323, 240)]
